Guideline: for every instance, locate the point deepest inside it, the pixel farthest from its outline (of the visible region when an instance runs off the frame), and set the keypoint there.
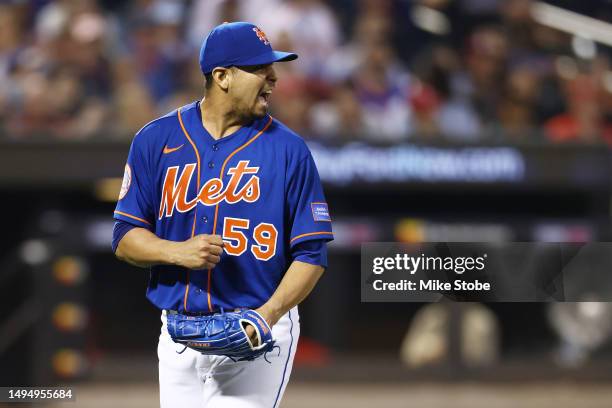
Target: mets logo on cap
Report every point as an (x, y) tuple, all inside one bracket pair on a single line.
[(261, 35)]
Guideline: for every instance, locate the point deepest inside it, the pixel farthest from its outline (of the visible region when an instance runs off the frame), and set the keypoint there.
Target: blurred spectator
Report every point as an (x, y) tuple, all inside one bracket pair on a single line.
[(381, 87), (486, 62), (134, 108), (425, 103), (585, 119), (294, 94), (443, 99), (292, 103), (370, 30), (516, 109), (191, 88), (204, 15), (311, 27), (340, 117)]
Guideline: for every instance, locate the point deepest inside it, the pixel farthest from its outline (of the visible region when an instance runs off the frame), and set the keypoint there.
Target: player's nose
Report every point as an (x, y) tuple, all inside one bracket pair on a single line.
[(271, 75)]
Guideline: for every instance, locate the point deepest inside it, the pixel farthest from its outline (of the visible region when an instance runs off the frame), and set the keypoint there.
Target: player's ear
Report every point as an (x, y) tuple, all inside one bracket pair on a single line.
[(221, 77)]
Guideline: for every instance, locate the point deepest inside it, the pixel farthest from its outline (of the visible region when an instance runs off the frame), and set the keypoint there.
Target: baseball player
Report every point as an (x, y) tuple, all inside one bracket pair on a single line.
[(225, 205)]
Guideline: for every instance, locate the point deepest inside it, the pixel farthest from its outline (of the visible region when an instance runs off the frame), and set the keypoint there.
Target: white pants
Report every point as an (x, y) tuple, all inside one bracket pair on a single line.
[(194, 380)]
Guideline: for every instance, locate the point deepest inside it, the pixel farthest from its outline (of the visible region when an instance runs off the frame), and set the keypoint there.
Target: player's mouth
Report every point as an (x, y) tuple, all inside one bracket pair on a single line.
[(264, 97)]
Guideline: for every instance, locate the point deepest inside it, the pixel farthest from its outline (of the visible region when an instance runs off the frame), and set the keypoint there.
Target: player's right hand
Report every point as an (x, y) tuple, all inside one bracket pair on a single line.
[(200, 252)]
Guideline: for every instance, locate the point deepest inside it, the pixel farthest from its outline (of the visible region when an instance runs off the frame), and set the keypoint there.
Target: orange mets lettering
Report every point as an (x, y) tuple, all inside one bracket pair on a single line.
[(252, 185), (261, 35), (174, 193)]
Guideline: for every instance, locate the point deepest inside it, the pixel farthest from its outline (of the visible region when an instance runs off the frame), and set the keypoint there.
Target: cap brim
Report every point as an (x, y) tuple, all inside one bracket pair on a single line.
[(269, 58)]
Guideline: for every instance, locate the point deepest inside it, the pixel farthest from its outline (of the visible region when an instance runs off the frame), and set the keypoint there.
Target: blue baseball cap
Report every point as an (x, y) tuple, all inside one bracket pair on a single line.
[(238, 44)]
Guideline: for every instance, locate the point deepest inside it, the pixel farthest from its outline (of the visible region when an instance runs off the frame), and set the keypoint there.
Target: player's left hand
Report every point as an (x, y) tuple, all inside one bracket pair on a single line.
[(250, 330), (268, 316)]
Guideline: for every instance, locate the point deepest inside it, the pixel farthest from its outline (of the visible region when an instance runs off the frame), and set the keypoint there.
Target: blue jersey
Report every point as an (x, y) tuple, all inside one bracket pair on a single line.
[(258, 188)]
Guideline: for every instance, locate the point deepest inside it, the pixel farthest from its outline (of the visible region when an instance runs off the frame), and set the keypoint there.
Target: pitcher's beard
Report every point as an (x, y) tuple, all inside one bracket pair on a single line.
[(255, 114)]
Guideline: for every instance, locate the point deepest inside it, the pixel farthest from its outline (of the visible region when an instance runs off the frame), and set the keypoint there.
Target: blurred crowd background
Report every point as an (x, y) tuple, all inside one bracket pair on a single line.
[(373, 70)]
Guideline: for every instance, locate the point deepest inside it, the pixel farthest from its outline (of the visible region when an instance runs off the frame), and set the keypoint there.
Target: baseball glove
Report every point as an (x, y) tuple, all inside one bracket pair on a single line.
[(222, 333)]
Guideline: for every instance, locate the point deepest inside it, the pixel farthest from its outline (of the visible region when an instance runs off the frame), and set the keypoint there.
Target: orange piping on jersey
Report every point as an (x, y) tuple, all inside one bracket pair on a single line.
[(311, 233), (132, 216), (221, 178), (195, 214)]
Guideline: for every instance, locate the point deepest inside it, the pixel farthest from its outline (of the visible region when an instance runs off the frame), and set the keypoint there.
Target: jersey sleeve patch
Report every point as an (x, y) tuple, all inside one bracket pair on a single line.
[(320, 212), (127, 181)]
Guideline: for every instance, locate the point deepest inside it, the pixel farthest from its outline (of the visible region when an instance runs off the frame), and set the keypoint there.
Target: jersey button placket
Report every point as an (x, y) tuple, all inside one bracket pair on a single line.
[(211, 165), (205, 218)]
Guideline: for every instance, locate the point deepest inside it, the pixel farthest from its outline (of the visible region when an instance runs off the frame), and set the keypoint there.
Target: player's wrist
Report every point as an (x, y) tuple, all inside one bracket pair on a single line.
[(169, 253), (271, 312)]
